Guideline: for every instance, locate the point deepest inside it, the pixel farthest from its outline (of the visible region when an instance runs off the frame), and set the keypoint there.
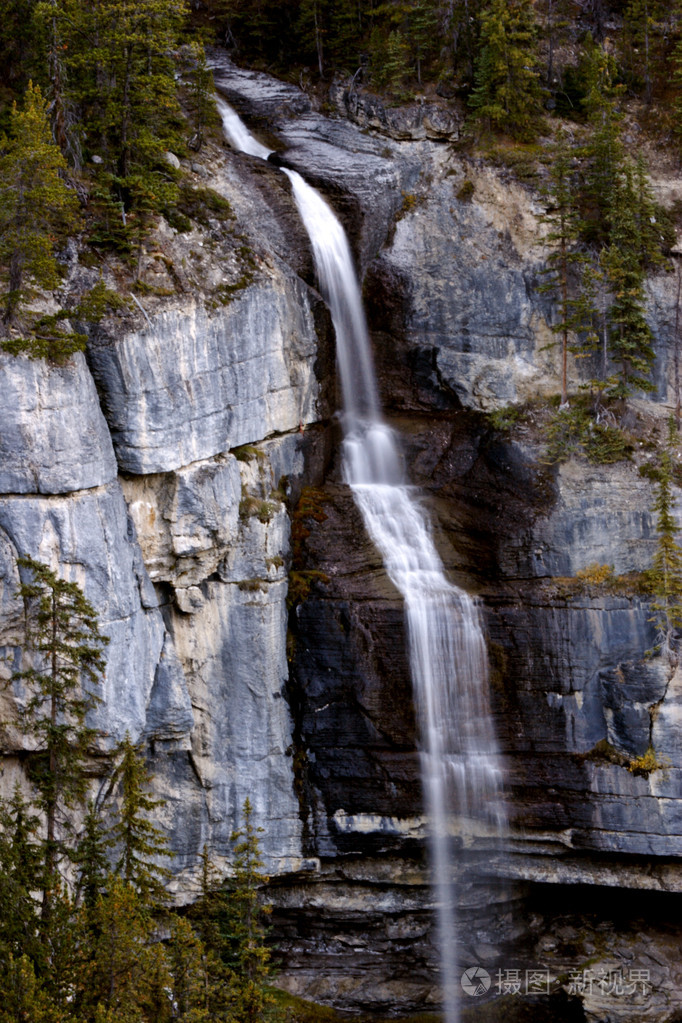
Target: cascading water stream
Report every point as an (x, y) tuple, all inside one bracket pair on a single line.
[(460, 765)]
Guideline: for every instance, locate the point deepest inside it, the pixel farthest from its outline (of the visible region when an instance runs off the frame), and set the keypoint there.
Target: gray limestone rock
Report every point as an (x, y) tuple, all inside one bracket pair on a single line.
[(602, 516), (87, 538), (194, 385), (186, 520), (169, 717), (233, 649), (53, 436), (413, 121)]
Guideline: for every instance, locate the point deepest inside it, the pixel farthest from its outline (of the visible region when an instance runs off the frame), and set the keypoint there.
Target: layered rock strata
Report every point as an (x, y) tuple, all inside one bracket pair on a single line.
[(168, 472)]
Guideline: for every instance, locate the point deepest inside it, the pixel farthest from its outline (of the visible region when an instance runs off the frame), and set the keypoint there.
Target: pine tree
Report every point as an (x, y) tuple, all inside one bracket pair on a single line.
[(36, 207), (507, 95), (67, 653), (139, 842), (666, 572)]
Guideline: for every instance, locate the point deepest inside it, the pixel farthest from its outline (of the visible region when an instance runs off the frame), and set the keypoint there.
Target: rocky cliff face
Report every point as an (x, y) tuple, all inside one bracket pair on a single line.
[(184, 473)]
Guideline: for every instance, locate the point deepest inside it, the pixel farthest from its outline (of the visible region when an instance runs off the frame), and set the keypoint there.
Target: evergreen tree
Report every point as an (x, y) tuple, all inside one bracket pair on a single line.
[(603, 154), (249, 955), (67, 654), (139, 842), (23, 999), (210, 917), (563, 262), (20, 865), (92, 858), (133, 62), (654, 231), (202, 96), (463, 20), (641, 43), (630, 338), (507, 95), (313, 22), (556, 20), (119, 972), (422, 32), (190, 976), (591, 315), (58, 22), (666, 572), (17, 53), (59, 967), (36, 207)]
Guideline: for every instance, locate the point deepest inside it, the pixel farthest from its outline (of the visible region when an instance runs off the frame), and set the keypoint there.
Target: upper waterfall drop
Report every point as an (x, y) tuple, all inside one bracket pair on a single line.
[(237, 133), (461, 770)]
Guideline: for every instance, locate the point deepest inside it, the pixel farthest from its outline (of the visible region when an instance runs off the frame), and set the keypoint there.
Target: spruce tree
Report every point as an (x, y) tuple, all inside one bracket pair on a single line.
[(210, 917), (23, 998), (189, 967), (36, 206), (507, 94), (248, 954), (463, 22), (20, 865), (137, 103), (641, 43), (67, 660), (313, 29), (603, 154), (556, 20), (630, 337), (18, 52), (564, 260), (92, 857), (59, 22), (202, 96), (138, 841), (118, 973)]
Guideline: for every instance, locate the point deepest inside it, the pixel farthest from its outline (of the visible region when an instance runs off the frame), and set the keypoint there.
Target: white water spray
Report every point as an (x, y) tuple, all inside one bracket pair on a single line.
[(461, 772)]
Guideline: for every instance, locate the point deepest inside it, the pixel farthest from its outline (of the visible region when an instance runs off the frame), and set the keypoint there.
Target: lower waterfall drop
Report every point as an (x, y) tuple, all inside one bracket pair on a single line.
[(460, 763)]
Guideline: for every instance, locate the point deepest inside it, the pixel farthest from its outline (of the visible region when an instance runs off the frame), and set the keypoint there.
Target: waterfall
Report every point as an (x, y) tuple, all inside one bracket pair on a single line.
[(460, 764)]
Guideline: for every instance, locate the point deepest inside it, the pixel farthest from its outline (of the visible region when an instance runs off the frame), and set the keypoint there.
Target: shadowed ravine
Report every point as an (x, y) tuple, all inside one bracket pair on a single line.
[(460, 765)]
